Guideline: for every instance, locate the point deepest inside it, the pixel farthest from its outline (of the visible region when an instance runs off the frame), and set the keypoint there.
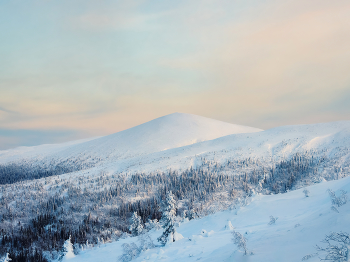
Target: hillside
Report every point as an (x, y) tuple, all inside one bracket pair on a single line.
[(302, 223), (328, 140), (161, 134)]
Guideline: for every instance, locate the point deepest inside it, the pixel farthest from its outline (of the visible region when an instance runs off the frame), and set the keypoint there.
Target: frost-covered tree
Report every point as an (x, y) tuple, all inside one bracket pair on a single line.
[(338, 201), (145, 242), (240, 241), (6, 258), (152, 224), (168, 218), (130, 252), (136, 226), (306, 192), (67, 250), (273, 220), (192, 214), (338, 247)]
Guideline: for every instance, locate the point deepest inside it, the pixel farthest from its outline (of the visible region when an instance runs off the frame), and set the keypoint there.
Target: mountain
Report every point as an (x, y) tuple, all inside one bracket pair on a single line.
[(180, 141), (161, 134), (167, 132), (329, 141), (170, 131)]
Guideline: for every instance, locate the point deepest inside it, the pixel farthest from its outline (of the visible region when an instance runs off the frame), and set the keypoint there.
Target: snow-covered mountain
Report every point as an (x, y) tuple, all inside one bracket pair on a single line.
[(167, 132), (180, 141), (329, 140)]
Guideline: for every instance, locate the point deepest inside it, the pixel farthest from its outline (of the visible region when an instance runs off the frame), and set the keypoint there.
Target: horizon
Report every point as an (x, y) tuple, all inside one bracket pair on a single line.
[(75, 70), (96, 137)]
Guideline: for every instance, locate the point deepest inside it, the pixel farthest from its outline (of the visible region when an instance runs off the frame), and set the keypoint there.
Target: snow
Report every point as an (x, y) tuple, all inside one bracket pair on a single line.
[(167, 132), (330, 140), (302, 223)]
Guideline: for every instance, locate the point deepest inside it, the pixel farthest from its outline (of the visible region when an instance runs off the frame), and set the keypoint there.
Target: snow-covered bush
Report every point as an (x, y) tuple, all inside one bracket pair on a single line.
[(229, 226), (335, 209), (136, 226), (309, 256), (338, 201), (191, 214), (77, 248), (273, 220), (145, 242), (130, 252), (338, 247), (306, 192), (152, 224), (240, 241), (168, 219)]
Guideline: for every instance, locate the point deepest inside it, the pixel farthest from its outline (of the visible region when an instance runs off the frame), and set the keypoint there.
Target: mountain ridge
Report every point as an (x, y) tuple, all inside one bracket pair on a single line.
[(166, 132)]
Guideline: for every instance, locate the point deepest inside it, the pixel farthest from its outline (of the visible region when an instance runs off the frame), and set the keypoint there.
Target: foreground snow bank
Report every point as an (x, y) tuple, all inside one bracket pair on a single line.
[(302, 223)]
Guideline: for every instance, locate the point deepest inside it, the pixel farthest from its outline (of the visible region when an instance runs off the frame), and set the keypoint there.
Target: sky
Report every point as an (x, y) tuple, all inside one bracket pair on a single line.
[(73, 69)]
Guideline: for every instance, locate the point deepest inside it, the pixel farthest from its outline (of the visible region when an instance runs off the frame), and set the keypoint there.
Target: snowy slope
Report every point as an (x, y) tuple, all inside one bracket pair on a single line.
[(331, 140), (302, 223), (173, 142), (171, 131), (36, 152)]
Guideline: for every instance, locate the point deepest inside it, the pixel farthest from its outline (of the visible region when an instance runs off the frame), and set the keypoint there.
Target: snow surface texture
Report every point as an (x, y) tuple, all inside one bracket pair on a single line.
[(302, 223)]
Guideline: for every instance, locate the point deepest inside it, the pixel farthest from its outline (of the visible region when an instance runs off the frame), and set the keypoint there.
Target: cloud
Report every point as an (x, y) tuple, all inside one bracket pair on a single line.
[(104, 66), (7, 111), (11, 138), (253, 64), (111, 15)]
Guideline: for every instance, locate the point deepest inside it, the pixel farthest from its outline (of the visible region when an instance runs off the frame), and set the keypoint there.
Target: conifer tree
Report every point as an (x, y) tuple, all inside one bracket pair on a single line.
[(168, 218), (67, 250), (136, 226)]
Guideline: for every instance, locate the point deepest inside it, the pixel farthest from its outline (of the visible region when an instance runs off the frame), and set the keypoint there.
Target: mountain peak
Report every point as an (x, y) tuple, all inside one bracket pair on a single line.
[(171, 131), (166, 132)]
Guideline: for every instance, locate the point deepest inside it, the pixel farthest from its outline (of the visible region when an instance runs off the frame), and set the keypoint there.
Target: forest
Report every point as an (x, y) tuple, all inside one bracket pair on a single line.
[(38, 215)]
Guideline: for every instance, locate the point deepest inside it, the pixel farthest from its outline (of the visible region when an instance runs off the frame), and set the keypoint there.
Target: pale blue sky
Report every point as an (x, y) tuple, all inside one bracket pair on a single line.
[(73, 69)]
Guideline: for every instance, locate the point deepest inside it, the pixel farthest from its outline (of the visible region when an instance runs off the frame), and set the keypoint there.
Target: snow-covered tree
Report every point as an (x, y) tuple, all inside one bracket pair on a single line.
[(136, 226), (145, 241), (273, 220), (152, 224), (191, 214), (338, 247), (240, 241), (67, 250), (306, 192), (168, 219), (130, 251), (338, 201), (6, 258)]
